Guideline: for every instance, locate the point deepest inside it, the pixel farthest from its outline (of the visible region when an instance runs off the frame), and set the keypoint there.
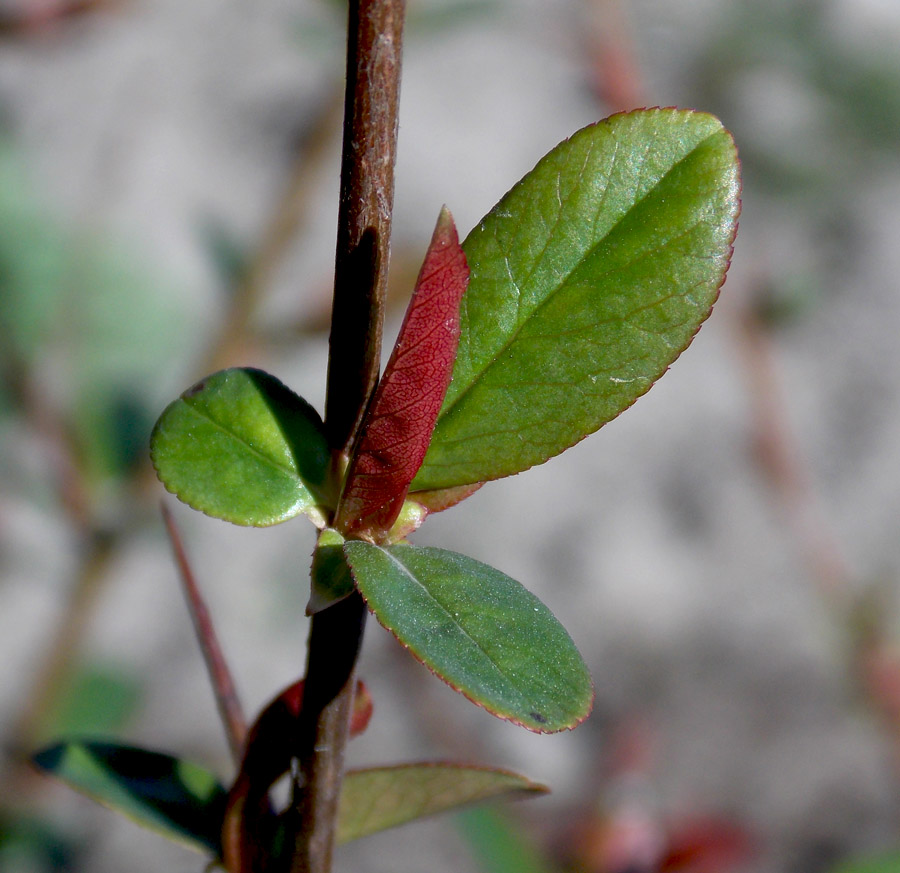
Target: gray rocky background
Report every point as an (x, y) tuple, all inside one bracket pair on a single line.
[(142, 139)]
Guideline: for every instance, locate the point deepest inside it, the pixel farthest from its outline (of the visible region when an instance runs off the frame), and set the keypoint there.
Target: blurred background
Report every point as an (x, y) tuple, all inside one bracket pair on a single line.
[(725, 554)]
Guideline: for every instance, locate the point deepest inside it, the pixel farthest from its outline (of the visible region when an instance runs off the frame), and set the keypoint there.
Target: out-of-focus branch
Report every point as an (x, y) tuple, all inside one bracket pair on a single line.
[(783, 462), (227, 700), (288, 217), (27, 17), (615, 74)]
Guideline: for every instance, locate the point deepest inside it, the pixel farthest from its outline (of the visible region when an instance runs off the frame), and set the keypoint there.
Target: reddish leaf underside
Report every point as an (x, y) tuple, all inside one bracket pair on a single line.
[(404, 410)]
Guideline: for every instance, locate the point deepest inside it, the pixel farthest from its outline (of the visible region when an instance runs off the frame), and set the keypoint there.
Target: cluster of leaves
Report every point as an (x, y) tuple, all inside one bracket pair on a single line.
[(563, 306)]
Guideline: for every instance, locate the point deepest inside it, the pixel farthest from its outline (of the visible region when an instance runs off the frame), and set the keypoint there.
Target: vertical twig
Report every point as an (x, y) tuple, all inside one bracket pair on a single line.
[(287, 218), (57, 662), (374, 43), (227, 701), (785, 466), (615, 74), (364, 220)]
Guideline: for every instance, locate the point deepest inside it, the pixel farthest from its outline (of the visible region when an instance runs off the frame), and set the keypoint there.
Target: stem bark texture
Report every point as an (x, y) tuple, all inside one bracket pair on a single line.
[(374, 46)]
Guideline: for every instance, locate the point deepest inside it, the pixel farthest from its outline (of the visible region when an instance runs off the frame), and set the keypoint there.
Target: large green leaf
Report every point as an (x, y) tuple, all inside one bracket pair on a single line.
[(241, 446), (175, 798), (384, 797), (587, 280), (478, 630)]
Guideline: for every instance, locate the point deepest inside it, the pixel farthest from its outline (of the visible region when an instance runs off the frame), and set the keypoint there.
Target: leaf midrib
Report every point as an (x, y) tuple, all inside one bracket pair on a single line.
[(564, 281), (292, 473), (408, 573)]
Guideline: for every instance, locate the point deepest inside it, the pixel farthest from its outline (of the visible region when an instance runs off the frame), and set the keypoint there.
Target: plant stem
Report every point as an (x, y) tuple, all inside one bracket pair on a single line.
[(374, 45), (364, 221)]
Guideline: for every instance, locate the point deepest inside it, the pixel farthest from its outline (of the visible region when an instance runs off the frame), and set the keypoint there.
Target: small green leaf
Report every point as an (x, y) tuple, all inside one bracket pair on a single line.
[(330, 579), (384, 797), (177, 799), (241, 446), (588, 279), (480, 631)]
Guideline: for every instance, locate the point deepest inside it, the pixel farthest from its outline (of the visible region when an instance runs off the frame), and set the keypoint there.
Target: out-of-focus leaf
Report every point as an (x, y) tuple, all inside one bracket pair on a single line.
[(227, 255), (889, 863), (30, 845), (97, 700), (587, 280), (123, 326), (241, 446), (480, 631), (384, 797), (33, 260), (177, 799), (435, 19), (498, 845)]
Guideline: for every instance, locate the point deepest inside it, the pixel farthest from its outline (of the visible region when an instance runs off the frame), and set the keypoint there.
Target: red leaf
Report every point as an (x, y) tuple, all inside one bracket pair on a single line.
[(404, 410)]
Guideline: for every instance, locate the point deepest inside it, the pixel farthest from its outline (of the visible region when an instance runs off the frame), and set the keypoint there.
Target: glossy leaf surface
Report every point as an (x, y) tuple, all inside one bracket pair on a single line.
[(241, 446), (588, 279), (177, 799), (384, 797), (481, 632), (401, 418)]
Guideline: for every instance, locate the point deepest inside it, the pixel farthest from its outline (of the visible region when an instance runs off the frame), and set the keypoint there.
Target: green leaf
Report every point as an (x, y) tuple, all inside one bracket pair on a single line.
[(175, 798), (186, 803), (330, 579), (384, 797), (241, 446), (499, 845), (29, 843), (588, 279), (97, 700), (478, 630)]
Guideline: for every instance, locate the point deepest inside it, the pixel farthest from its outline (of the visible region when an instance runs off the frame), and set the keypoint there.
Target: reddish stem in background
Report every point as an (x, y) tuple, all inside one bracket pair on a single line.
[(783, 462), (615, 75), (227, 701)]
